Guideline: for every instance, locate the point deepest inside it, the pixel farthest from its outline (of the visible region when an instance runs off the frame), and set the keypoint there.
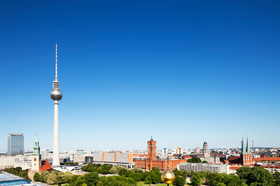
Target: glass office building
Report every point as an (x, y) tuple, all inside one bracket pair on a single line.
[(15, 144)]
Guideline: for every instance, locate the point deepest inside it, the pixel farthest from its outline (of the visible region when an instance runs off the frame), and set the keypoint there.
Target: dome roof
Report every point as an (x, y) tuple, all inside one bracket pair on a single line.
[(205, 143)]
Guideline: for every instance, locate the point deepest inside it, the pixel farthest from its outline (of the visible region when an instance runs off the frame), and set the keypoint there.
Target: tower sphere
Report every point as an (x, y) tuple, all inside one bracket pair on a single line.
[(56, 95)]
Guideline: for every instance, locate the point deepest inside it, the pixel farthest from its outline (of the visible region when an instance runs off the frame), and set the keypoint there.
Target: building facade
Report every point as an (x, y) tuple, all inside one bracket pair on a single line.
[(196, 167), (151, 160), (246, 156), (37, 165), (206, 156), (113, 158), (15, 144)]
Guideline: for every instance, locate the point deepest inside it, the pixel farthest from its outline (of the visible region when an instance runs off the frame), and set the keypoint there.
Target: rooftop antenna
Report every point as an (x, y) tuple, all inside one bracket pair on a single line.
[(56, 62)]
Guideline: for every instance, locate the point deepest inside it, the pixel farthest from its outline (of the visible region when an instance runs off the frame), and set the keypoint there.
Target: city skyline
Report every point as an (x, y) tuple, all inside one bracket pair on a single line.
[(185, 72)]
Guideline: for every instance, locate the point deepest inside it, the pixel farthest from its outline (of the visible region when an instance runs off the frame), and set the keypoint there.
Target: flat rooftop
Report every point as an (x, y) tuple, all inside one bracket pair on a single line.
[(15, 134), (7, 179)]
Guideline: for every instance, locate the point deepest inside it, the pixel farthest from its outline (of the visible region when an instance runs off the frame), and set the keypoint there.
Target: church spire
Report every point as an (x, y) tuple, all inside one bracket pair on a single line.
[(243, 146), (247, 146), (36, 148)]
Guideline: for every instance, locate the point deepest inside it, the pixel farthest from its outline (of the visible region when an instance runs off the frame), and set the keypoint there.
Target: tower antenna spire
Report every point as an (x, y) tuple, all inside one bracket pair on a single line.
[(56, 62)]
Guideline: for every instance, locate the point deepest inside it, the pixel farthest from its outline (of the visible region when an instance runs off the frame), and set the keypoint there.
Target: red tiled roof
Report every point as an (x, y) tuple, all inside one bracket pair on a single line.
[(234, 160), (267, 166), (267, 159), (45, 166), (233, 168), (248, 165), (143, 155)]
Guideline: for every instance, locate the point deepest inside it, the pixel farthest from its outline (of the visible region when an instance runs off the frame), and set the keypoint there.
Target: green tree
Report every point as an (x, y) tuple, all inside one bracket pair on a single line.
[(91, 178), (24, 174), (51, 179), (114, 170), (260, 175), (254, 184), (215, 178), (184, 174), (60, 177), (79, 181), (136, 170), (255, 174), (131, 181), (44, 176), (196, 180), (233, 180), (204, 161), (158, 174), (194, 160), (136, 176), (244, 172), (276, 178), (67, 177), (152, 178), (74, 178), (101, 184), (123, 171), (221, 184), (105, 169), (145, 175), (179, 181), (36, 177)]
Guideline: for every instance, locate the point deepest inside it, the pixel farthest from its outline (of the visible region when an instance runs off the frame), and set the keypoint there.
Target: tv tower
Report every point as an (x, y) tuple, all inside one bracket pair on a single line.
[(56, 95)]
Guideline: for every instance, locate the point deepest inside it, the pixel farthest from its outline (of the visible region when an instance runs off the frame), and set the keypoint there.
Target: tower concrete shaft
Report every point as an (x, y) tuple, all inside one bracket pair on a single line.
[(56, 136)]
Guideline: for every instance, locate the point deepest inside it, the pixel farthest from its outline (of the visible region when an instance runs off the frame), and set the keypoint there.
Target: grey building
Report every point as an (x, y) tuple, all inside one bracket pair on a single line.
[(15, 144), (196, 167), (206, 156)]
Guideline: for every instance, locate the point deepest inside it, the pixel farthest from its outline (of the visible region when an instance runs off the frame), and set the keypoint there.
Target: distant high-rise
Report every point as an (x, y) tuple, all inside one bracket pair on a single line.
[(56, 95), (15, 144), (197, 150)]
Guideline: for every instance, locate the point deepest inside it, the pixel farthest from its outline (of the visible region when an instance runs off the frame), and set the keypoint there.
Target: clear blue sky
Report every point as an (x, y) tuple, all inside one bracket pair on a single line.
[(184, 71)]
